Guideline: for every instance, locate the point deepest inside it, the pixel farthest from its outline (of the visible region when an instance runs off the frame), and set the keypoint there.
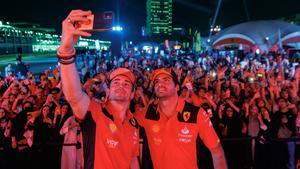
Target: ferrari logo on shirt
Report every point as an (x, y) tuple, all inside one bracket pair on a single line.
[(112, 127), (186, 115), (155, 128)]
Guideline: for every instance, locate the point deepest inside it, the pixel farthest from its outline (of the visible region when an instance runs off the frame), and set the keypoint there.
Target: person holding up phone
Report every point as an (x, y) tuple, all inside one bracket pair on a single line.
[(110, 132)]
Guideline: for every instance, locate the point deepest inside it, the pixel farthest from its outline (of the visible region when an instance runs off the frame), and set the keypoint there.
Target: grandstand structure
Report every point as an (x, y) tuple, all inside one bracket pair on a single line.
[(31, 38)]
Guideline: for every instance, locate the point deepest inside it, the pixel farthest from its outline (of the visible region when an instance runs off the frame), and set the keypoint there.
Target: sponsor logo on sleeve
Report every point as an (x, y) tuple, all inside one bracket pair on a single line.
[(135, 137), (155, 128)]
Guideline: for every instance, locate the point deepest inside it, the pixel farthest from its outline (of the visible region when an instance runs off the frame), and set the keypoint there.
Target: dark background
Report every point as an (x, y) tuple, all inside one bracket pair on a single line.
[(186, 13)]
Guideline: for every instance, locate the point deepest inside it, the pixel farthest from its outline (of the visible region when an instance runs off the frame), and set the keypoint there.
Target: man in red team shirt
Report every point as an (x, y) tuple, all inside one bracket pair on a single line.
[(173, 125), (110, 132)]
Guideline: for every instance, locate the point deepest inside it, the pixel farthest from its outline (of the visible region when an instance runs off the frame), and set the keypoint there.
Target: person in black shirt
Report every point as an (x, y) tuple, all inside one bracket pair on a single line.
[(19, 142), (5, 140), (283, 126), (43, 135)]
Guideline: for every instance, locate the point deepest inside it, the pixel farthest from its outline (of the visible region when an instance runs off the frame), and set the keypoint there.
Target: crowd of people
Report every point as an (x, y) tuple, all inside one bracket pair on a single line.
[(252, 101)]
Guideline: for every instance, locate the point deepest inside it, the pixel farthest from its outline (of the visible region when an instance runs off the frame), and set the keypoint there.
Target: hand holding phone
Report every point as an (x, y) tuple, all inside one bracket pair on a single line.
[(97, 22), (189, 86)]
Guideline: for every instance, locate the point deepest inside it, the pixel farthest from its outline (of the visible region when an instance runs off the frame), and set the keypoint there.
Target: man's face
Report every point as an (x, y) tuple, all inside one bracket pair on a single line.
[(43, 78), (184, 92), (261, 103), (90, 92), (265, 112), (27, 106), (55, 96), (12, 98), (201, 93), (2, 113), (229, 112), (121, 89), (15, 90), (253, 110), (3, 124), (45, 111), (164, 86), (285, 94), (282, 103), (2, 83), (64, 109)]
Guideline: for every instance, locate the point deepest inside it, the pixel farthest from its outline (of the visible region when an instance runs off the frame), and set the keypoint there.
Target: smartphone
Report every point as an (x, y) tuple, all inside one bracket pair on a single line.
[(251, 79), (213, 74), (97, 22), (259, 75)]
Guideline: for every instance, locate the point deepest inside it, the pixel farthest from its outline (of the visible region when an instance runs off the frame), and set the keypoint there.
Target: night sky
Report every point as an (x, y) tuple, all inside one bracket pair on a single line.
[(186, 13)]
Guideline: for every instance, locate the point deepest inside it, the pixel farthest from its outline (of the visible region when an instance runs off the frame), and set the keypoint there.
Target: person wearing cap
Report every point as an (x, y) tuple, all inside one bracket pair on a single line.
[(172, 127), (110, 132)]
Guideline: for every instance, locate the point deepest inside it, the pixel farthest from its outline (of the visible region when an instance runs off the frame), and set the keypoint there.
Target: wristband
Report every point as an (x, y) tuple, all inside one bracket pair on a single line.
[(68, 55), (66, 61)]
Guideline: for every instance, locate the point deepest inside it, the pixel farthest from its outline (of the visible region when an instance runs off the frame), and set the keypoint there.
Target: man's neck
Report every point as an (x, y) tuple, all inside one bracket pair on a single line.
[(168, 105), (118, 108)]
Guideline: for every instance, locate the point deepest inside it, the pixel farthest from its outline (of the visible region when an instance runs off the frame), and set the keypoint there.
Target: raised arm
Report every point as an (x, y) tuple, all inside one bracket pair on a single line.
[(71, 85), (211, 140), (218, 157)]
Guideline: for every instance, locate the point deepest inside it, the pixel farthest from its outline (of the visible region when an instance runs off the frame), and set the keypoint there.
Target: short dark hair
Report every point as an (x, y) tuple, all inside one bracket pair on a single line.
[(281, 98)]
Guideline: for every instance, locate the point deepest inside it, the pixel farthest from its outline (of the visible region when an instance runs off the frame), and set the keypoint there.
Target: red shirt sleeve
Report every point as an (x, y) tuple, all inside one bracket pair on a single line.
[(206, 130), (140, 116), (95, 109)]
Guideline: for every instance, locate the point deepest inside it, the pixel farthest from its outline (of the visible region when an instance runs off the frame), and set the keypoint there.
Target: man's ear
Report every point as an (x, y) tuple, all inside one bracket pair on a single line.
[(107, 94), (132, 94), (177, 87)]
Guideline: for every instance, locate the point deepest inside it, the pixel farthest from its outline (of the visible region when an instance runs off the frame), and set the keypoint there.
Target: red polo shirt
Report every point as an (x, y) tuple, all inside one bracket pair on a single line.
[(172, 141), (116, 143)]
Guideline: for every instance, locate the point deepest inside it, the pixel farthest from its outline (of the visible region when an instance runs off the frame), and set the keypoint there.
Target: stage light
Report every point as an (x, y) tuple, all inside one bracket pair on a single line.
[(257, 51)]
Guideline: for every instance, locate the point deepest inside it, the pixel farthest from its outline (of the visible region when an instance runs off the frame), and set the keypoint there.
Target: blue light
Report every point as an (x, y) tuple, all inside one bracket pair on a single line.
[(267, 38), (117, 28)]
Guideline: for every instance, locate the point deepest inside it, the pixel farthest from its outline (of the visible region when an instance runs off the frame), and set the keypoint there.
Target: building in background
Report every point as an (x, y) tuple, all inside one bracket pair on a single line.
[(159, 17), (31, 38)]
